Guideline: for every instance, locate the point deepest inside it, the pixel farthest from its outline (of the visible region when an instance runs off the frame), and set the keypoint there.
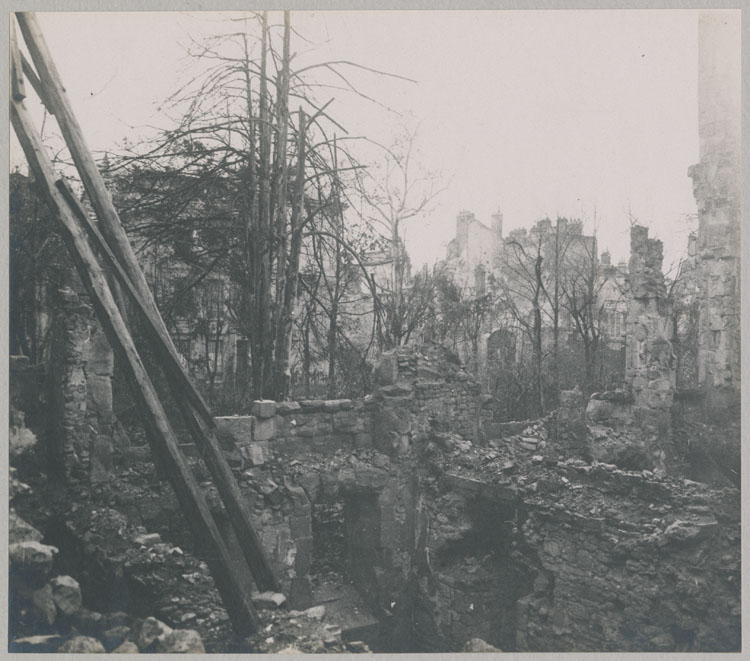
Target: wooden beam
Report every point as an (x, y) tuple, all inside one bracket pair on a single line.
[(28, 70), (57, 102), (17, 88), (203, 435), (161, 437)]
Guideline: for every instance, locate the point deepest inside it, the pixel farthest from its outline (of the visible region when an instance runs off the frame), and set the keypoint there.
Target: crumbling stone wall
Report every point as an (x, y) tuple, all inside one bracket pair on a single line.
[(716, 187), (420, 390), (649, 358), (80, 391)]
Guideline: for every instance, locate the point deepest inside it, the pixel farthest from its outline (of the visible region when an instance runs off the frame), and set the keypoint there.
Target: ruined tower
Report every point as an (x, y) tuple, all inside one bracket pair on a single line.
[(716, 187)]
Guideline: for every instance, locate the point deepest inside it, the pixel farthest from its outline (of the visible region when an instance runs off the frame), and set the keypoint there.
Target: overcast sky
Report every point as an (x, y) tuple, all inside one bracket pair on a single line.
[(537, 113)]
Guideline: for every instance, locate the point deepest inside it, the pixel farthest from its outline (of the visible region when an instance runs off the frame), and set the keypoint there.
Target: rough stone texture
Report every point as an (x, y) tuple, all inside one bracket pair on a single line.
[(31, 561), (128, 647), (145, 632), (67, 594), (478, 645), (716, 187), (81, 369), (263, 408), (181, 641), (82, 645), (44, 604), (649, 357)]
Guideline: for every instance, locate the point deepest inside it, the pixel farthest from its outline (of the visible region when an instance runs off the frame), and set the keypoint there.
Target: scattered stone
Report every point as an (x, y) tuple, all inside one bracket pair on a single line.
[(268, 599), (38, 644), (128, 647), (180, 641), (44, 604), (67, 594), (115, 619), (256, 454), (686, 531), (88, 622), (115, 637), (316, 612), (537, 459), (145, 632), (478, 645), (29, 558), (287, 407), (20, 531), (148, 539), (82, 645)]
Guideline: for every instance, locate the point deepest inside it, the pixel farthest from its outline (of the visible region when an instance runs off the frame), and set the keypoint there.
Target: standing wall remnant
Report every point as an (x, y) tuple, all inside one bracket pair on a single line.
[(81, 368), (716, 187), (649, 358)]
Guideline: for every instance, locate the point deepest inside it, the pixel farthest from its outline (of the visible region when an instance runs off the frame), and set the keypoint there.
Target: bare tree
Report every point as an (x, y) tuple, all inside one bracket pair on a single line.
[(240, 181), (394, 192)]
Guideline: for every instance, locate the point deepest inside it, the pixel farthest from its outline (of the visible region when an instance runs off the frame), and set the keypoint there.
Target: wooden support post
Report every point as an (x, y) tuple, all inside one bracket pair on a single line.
[(17, 87), (180, 383), (202, 426), (159, 432)]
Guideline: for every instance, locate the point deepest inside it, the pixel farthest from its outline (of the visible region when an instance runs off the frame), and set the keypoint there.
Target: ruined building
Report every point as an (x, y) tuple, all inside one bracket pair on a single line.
[(716, 186)]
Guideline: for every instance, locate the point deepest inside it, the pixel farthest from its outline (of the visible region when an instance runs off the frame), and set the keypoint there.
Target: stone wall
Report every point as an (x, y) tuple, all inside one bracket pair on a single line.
[(294, 428), (649, 358), (716, 187), (81, 418), (570, 556), (419, 391)]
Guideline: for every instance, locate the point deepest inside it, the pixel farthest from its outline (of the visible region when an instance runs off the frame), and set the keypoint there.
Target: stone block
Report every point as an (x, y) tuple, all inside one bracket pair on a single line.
[(256, 454), (145, 632), (270, 600), (36, 644), (21, 531), (180, 641), (312, 405), (113, 638), (128, 647), (264, 429), (44, 605), (263, 408), (82, 645), (238, 427), (148, 539), (332, 405), (66, 593), (285, 408), (31, 561)]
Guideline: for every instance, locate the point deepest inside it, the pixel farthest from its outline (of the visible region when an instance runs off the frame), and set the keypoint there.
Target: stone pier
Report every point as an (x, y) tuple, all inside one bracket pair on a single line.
[(716, 187), (80, 392), (649, 361)]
